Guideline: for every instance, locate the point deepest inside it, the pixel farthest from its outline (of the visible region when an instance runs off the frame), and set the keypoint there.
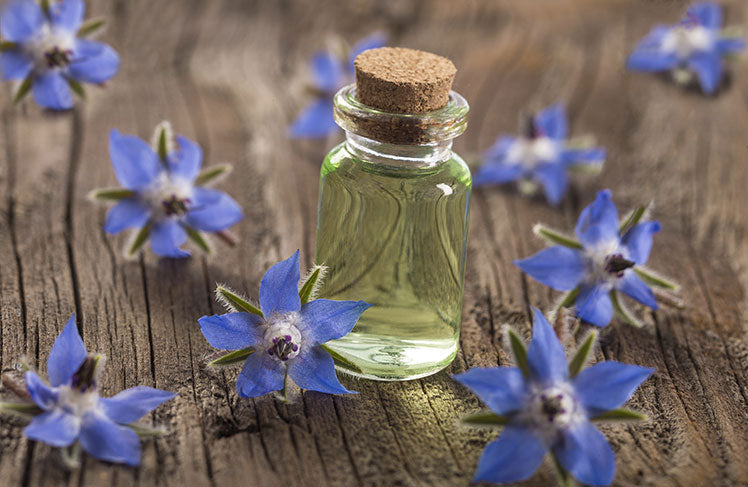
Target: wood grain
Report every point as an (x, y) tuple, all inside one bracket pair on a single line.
[(231, 74)]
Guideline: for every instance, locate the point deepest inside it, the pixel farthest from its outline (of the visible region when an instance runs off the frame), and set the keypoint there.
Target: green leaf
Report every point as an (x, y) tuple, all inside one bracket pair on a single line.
[(622, 313), (580, 356), (632, 219), (110, 194), (563, 477), (236, 301), (232, 358), (24, 409), (23, 89), (211, 173), (90, 26), (519, 351), (146, 431), (341, 361), (653, 279), (555, 237), (77, 88), (620, 414), (310, 284), (486, 418), (7, 46), (198, 239), (140, 239)]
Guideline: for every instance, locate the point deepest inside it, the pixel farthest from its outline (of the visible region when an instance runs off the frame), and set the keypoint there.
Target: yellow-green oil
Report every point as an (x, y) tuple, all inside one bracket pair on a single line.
[(395, 237)]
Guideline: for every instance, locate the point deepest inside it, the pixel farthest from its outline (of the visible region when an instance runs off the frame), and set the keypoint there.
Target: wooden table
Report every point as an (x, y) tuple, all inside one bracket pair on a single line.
[(231, 74)]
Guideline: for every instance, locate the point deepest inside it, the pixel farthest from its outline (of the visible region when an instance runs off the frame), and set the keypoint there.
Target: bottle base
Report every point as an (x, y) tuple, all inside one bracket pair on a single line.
[(394, 360)]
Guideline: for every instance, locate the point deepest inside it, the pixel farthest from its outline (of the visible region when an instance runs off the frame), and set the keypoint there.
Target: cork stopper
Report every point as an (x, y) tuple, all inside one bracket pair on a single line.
[(400, 80)]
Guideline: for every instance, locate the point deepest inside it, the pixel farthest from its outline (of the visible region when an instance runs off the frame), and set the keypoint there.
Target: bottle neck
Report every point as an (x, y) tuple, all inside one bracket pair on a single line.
[(410, 156)]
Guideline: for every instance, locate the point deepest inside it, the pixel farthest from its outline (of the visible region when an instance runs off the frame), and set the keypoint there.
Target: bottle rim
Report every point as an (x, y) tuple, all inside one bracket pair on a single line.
[(428, 128)]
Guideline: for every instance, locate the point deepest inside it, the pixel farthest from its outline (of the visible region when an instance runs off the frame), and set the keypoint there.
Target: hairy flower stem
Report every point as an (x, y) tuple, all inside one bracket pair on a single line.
[(227, 237)]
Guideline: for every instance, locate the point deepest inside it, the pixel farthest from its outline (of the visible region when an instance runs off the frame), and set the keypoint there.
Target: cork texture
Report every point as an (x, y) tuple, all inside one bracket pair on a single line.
[(400, 80)]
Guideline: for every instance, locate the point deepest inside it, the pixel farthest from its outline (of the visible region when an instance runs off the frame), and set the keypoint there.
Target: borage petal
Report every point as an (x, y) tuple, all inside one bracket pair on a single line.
[(132, 404), (551, 122), (585, 453), (232, 331), (502, 389), (594, 305), (545, 355), (94, 62), (554, 180), (514, 457), (127, 213), (67, 14), (67, 355), (315, 121), (56, 428), (707, 14), (608, 385), (186, 160), (44, 396), (638, 241), (327, 320), (166, 238), (708, 67), (52, 91), (328, 72), (314, 370), (279, 289), (260, 375), (20, 20), (135, 163), (558, 267), (213, 210), (106, 440), (497, 173), (15, 65), (598, 222), (631, 285)]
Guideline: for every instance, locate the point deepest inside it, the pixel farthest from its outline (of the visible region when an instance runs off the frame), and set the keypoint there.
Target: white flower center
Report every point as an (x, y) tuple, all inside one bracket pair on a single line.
[(51, 49), (551, 409), (684, 40), (168, 196), (282, 336), (606, 262), (529, 152), (76, 402)]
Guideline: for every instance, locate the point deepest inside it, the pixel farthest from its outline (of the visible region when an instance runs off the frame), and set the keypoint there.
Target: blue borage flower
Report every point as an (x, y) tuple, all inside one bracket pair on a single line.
[(331, 72), (608, 258), (286, 336), (70, 408), (696, 46), (545, 405), (162, 194), (542, 155), (44, 46)]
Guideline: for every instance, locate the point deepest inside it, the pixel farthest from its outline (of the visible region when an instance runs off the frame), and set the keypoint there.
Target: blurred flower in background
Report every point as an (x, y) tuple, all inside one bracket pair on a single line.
[(694, 47), (44, 47), (162, 194), (331, 71), (541, 155)]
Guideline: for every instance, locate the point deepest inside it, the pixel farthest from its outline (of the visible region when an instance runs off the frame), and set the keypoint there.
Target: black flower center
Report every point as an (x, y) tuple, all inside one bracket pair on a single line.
[(175, 206), (552, 406), (58, 58), (85, 377), (283, 347), (616, 264)]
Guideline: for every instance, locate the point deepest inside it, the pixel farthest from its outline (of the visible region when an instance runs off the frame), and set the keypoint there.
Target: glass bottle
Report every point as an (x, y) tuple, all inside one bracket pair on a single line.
[(392, 230)]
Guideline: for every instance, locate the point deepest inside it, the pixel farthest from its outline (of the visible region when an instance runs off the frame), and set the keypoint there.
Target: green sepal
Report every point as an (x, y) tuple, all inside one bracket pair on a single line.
[(580, 356), (235, 301), (310, 284), (7, 46), (654, 280), (519, 351), (90, 26), (632, 219), (210, 174), (341, 361), (146, 431), (620, 414), (76, 87), (569, 298), (232, 358), (555, 237), (486, 418), (563, 477), (198, 239), (23, 89), (44, 4), (163, 142), (110, 194), (23, 409), (622, 313), (140, 239)]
